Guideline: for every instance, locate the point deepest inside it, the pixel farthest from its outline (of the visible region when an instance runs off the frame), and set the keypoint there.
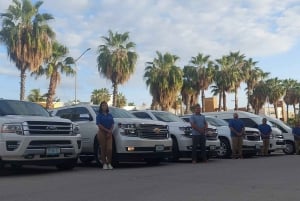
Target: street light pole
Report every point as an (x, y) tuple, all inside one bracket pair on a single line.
[(75, 61)]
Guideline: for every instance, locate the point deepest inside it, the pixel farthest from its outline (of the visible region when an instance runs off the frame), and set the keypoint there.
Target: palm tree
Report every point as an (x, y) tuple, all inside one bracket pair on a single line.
[(189, 87), (116, 59), (222, 79), (275, 92), (27, 37), (258, 97), (121, 100), (288, 85), (164, 79), (236, 62), (36, 96), (252, 75), (56, 65), (99, 95), (205, 74)]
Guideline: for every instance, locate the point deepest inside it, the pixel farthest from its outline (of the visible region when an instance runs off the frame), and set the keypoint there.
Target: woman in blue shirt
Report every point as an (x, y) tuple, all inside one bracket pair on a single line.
[(105, 123), (296, 133)]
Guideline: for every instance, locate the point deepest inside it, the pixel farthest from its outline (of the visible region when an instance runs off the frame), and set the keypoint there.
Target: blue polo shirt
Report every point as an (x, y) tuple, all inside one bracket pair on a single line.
[(265, 130), (200, 122), (237, 124), (296, 132), (106, 120)]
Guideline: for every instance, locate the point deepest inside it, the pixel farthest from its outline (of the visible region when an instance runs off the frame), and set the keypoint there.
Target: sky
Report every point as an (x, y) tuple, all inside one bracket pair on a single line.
[(267, 31)]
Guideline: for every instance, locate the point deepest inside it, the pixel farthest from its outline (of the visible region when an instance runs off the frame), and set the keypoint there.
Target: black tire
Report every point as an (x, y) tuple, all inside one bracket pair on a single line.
[(225, 149), (290, 148), (67, 165), (175, 150), (86, 159), (97, 153)]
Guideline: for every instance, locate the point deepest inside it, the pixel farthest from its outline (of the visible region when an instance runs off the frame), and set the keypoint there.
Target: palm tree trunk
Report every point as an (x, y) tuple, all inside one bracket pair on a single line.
[(51, 91), (188, 106), (22, 83), (287, 112), (248, 103), (115, 93), (275, 108), (224, 101), (236, 107), (220, 102), (203, 100)]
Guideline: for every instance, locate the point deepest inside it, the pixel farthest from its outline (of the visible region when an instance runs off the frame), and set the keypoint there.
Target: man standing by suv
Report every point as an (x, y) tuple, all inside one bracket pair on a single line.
[(265, 131), (199, 124), (237, 129)]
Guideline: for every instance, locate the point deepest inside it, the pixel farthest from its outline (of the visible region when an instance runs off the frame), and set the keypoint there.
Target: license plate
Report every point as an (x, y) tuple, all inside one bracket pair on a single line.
[(212, 147), (257, 146), (159, 147), (51, 151)]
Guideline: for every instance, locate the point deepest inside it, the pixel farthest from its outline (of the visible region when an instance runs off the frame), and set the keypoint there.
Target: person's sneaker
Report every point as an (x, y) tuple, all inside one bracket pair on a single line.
[(110, 167), (105, 166)]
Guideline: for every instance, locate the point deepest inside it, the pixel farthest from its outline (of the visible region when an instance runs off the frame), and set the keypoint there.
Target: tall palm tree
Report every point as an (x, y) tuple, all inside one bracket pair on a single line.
[(189, 87), (27, 37), (236, 74), (164, 79), (99, 95), (56, 65), (36, 96), (252, 75), (258, 97), (222, 79), (275, 92), (116, 59), (205, 74), (288, 85)]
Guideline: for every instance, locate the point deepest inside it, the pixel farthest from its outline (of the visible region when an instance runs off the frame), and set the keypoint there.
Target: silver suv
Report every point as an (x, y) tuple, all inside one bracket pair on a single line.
[(180, 132), (133, 139), (29, 135)]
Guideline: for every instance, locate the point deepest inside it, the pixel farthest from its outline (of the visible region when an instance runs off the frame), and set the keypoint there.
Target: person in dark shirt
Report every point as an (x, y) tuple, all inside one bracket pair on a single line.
[(198, 124), (265, 131), (105, 123), (237, 129), (296, 133)]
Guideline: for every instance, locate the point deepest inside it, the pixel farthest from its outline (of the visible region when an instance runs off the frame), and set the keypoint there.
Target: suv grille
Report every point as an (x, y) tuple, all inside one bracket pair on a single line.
[(151, 131), (252, 136), (47, 128)]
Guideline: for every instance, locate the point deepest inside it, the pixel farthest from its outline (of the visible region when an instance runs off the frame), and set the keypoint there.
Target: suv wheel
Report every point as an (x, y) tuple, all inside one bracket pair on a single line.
[(175, 150), (289, 148), (225, 150), (97, 154), (67, 165)]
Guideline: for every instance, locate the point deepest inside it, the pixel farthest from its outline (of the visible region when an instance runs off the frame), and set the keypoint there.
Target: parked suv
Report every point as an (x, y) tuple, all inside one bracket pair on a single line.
[(29, 135), (252, 120), (180, 132), (251, 141), (133, 139)]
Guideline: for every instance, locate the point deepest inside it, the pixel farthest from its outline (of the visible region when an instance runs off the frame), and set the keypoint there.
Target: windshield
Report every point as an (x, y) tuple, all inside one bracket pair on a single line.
[(167, 117), (13, 107), (116, 112), (216, 121)]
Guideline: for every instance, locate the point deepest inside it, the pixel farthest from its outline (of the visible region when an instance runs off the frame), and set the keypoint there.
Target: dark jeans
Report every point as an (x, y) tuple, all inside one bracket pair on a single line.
[(201, 141)]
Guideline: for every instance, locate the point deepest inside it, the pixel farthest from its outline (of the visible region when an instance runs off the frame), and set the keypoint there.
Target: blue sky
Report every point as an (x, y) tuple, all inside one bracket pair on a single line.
[(267, 31)]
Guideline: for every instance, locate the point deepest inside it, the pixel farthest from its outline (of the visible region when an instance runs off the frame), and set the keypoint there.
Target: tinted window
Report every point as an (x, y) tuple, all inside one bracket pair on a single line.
[(116, 112), (12, 107), (216, 121), (167, 117), (65, 113), (142, 115)]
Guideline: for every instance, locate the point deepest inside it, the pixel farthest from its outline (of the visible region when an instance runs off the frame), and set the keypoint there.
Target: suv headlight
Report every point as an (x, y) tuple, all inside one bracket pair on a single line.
[(16, 128), (128, 130), (75, 129)]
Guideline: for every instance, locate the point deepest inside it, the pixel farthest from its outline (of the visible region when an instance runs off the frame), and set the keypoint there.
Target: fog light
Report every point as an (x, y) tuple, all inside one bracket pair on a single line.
[(130, 148)]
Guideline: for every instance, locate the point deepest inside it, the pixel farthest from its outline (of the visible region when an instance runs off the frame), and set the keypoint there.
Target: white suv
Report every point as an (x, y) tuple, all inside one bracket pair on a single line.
[(29, 135), (133, 139), (180, 132)]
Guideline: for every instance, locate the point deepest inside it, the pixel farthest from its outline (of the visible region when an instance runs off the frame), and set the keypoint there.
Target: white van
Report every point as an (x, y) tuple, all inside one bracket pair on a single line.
[(252, 120), (286, 132), (251, 143)]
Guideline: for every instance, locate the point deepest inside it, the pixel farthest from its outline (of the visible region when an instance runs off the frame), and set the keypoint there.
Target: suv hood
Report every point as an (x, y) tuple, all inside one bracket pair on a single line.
[(20, 118)]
